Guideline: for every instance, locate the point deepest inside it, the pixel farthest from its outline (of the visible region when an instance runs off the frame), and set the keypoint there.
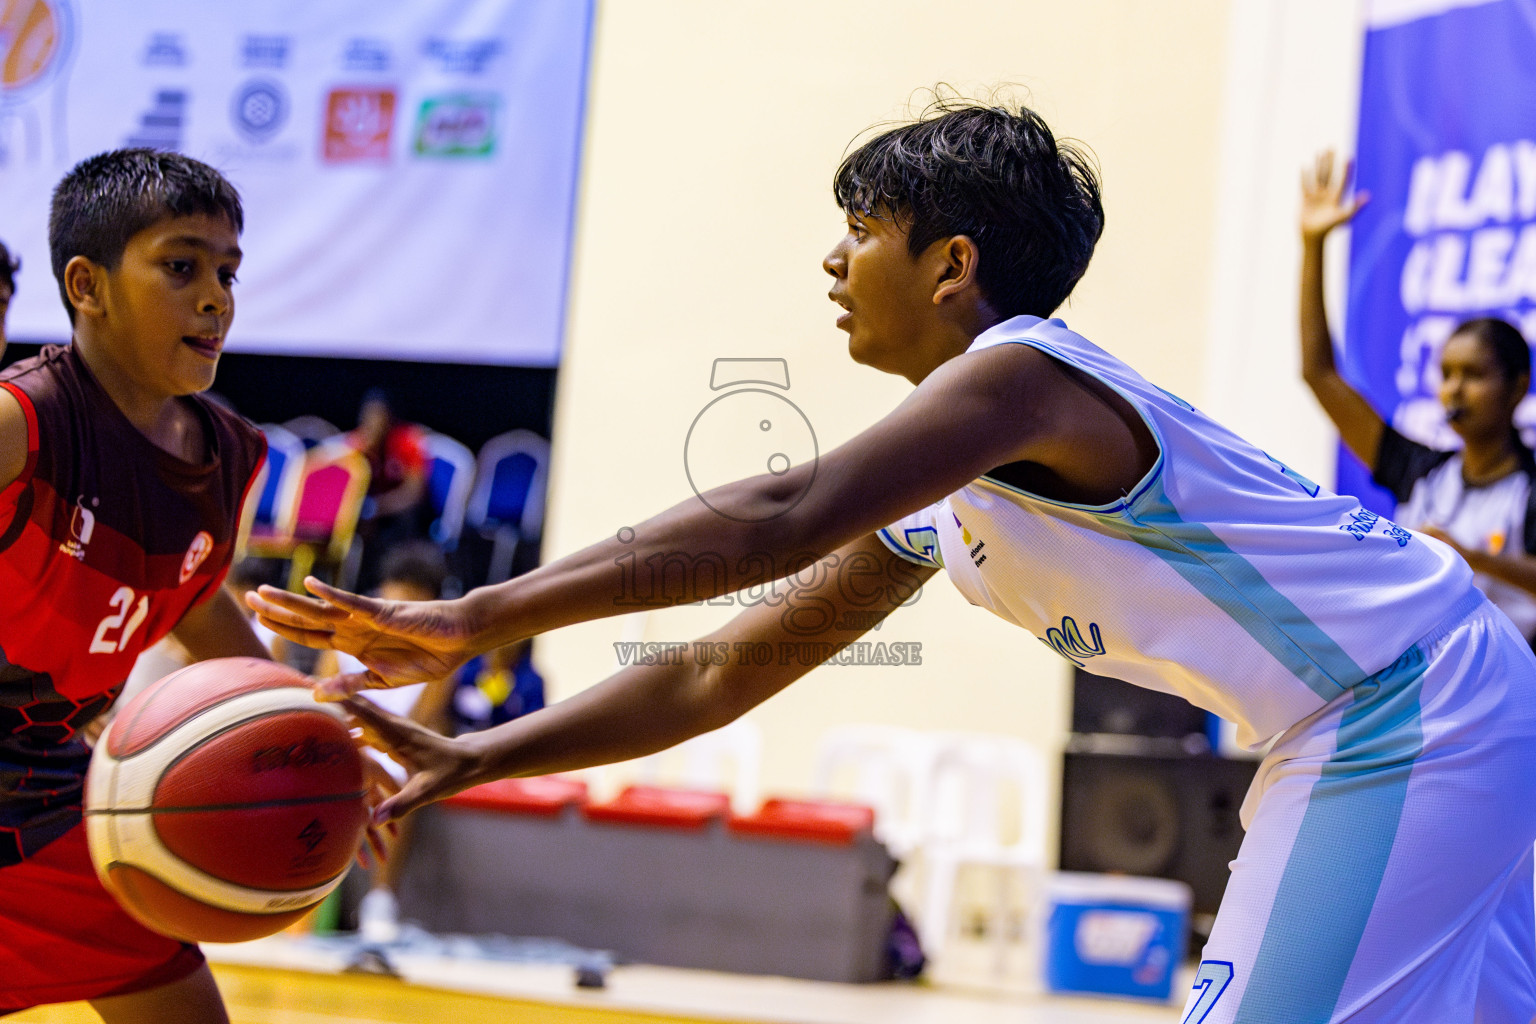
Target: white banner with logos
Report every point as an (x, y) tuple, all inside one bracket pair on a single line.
[(408, 167)]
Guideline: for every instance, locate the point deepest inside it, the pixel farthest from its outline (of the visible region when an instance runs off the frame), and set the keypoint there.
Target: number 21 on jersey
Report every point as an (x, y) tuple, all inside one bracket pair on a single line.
[(121, 622)]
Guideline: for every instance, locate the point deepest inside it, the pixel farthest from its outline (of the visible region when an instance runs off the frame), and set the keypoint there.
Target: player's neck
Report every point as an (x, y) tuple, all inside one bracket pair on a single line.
[(163, 419), (951, 337)]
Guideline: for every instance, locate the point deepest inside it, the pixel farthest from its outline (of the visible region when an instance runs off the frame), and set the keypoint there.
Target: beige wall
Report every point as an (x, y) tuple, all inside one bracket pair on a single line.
[(713, 132)]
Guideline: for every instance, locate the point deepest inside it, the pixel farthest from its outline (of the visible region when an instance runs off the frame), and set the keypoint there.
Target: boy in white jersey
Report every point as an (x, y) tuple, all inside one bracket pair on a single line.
[(1386, 874)]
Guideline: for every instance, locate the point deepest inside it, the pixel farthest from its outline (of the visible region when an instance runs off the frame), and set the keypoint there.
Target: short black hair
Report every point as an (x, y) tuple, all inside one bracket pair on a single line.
[(1504, 342), (107, 199), (419, 563), (8, 266), (996, 174)]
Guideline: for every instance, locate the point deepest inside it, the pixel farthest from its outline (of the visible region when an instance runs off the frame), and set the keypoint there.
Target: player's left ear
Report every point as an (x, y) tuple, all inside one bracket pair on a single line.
[(84, 284), (958, 257)]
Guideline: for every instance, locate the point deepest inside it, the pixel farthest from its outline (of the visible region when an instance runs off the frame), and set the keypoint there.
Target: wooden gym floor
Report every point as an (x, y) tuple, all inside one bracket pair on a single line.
[(276, 981)]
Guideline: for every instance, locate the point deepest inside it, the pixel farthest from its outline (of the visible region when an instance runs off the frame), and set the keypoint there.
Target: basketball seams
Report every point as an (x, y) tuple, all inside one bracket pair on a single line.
[(252, 675), (121, 787), (154, 760)]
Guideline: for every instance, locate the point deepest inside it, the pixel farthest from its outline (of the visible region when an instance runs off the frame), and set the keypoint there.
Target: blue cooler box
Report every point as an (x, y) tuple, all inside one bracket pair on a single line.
[(1115, 935)]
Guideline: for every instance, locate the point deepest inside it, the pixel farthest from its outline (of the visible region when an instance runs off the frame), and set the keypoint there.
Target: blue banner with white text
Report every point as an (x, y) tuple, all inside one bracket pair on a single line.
[(1447, 152)]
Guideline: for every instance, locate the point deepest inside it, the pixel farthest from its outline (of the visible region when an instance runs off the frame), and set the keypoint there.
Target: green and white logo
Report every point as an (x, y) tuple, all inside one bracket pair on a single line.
[(463, 124)]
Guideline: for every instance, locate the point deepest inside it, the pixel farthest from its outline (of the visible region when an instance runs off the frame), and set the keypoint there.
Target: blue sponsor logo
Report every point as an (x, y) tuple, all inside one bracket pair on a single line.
[(260, 109)]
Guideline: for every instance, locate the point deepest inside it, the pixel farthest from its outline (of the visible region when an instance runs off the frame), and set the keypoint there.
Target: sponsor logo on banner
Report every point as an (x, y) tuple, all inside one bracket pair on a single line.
[(260, 109), (358, 123), (264, 52), (160, 126), (457, 125), (34, 36), (365, 55), (164, 50), (462, 56)]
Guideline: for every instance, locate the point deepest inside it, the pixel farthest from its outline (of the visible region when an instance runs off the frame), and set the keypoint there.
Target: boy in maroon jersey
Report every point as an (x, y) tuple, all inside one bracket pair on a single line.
[(120, 492)]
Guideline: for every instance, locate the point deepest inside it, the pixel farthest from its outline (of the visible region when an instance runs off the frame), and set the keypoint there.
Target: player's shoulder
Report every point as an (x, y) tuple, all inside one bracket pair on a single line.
[(15, 439), (235, 432)]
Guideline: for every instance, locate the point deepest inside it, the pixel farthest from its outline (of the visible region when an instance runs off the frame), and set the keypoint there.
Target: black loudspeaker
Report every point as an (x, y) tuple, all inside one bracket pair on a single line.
[(1101, 705), (1171, 816)]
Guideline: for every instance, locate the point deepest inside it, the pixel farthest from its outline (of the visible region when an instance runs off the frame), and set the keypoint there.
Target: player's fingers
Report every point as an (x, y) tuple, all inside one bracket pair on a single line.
[(302, 637), (293, 609), (341, 687), (377, 844), (343, 600), (392, 730)]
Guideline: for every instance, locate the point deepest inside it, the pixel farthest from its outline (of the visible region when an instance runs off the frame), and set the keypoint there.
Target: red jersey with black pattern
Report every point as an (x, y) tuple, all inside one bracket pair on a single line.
[(106, 541)]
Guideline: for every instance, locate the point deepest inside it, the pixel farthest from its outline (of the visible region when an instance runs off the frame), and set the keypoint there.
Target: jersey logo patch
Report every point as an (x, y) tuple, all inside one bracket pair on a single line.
[(200, 548), (81, 526), (1069, 643)]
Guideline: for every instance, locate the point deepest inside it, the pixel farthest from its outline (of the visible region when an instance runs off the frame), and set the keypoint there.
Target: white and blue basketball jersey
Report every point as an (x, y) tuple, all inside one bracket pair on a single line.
[(1224, 577)]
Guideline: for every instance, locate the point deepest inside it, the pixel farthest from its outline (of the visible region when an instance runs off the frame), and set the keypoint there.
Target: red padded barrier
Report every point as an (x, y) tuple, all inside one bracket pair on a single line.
[(820, 821), (666, 808), (544, 795)]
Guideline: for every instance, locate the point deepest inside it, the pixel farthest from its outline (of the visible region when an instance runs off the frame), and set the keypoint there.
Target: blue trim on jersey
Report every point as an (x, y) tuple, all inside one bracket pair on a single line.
[(1359, 793), (1230, 581), (906, 553)]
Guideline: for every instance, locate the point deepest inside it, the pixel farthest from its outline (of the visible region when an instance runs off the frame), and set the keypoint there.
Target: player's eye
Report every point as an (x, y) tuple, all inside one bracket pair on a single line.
[(179, 266), (228, 277)]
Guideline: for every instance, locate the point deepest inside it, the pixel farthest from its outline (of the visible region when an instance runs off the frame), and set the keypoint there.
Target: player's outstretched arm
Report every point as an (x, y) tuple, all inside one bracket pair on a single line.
[(702, 685), (973, 413), (1323, 208)]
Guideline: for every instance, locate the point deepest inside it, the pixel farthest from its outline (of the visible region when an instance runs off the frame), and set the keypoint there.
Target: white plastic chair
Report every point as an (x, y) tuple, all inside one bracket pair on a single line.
[(979, 783), (886, 767), (727, 760), (311, 429)]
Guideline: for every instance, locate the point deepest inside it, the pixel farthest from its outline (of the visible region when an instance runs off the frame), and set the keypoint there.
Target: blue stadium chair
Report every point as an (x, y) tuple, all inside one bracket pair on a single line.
[(279, 486), (450, 474), (507, 503)]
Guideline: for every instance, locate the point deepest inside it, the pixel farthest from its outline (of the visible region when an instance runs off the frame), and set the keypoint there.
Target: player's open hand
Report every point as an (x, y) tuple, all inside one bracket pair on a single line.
[(1323, 202), (439, 766), (400, 642)]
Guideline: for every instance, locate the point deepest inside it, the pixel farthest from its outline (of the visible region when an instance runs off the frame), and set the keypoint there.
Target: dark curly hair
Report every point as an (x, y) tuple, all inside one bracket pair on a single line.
[(996, 174), (107, 199)]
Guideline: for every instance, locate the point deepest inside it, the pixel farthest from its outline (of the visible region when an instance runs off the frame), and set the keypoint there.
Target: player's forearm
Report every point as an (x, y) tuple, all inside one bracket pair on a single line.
[(639, 711), (1317, 360), (687, 554), (1517, 572)]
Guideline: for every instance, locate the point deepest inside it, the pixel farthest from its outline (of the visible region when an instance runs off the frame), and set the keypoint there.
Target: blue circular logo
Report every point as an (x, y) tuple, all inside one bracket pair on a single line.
[(260, 109)]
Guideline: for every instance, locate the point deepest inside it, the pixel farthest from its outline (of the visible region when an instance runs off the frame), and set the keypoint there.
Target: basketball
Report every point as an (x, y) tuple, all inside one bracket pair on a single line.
[(223, 802)]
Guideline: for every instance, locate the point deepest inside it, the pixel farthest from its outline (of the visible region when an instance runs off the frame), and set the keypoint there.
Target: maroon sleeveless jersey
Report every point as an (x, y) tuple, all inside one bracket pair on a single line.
[(105, 542)]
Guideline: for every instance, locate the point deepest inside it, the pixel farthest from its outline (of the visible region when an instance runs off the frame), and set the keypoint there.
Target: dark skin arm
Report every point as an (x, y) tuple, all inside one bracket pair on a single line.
[(1323, 208), (646, 708), (1519, 571), (1002, 405), (218, 628)]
